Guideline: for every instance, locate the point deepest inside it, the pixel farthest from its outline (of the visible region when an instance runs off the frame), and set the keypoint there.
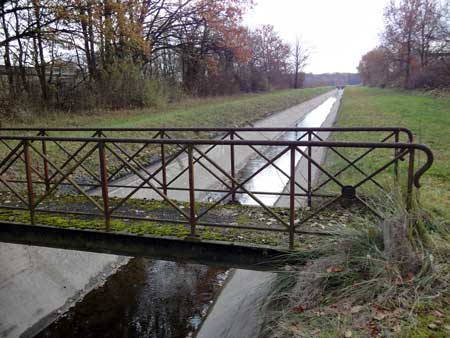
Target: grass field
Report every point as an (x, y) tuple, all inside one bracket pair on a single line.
[(429, 119), (209, 112), (356, 291)]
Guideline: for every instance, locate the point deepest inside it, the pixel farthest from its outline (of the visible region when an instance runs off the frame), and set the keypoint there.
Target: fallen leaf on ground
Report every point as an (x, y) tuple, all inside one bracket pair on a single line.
[(356, 309), (348, 334), (409, 276), (379, 316), (335, 269), (437, 313), (432, 326), (374, 330), (296, 329), (397, 328), (298, 309)]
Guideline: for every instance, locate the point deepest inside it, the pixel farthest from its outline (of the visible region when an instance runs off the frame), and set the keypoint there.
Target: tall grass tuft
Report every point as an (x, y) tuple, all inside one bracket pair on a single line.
[(360, 272)]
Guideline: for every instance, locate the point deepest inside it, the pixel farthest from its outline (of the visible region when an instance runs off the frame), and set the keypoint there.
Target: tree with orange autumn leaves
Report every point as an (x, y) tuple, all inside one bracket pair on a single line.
[(202, 46)]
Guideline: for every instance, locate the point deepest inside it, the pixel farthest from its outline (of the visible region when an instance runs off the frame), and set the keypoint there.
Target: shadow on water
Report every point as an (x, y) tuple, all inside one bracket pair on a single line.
[(151, 299)]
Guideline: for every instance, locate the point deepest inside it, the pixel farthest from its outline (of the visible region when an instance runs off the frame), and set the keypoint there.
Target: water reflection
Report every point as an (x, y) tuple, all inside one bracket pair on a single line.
[(270, 179), (145, 299)]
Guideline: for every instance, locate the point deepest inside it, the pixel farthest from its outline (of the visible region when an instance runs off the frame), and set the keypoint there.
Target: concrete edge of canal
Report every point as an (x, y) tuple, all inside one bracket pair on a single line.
[(238, 311)]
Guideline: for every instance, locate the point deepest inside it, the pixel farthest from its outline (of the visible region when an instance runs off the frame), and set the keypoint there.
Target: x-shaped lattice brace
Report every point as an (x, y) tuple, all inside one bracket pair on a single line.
[(272, 163), (197, 160), (7, 162), (241, 185), (71, 156), (131, 157), (279, 170), (32, 203), (16, 153), (351, 163), (235, 184), (19, 152), (145, 181), (65, 175), (347, 192)]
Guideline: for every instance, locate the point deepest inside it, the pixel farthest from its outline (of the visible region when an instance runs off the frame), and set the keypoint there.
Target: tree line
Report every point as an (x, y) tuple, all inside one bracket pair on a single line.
[(415, 47), (78, 54)]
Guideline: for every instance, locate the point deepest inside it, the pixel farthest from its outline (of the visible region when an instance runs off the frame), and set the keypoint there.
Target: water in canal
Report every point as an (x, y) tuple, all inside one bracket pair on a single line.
[(158, 299), (270, 179), (152, 299)]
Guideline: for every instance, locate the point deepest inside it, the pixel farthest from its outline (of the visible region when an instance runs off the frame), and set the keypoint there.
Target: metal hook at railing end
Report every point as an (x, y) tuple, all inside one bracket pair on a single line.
[(426, 166)]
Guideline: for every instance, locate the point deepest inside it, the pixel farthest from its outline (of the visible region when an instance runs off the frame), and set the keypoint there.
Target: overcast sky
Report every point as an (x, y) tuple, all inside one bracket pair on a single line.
[(338, 31)]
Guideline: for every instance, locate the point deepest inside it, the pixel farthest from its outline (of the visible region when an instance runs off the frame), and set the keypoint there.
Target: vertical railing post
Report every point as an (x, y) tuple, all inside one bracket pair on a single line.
[(410, 183), (233, 169), (292, 200), (192, 215), (30, 191), (44, 152), (309, 171), (163, 165), (396, 139), (104, 183)]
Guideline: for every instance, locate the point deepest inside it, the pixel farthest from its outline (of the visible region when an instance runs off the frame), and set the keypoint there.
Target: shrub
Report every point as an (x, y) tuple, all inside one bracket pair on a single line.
[(122, 84)]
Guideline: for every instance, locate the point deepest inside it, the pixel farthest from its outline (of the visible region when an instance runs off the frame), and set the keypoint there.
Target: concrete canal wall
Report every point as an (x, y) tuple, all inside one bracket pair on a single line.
[(39, 284)]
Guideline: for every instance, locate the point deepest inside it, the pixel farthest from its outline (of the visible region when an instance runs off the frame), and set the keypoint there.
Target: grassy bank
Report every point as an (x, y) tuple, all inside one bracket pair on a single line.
[(208, 112), (231, 111), (356, 291), (429, 119)]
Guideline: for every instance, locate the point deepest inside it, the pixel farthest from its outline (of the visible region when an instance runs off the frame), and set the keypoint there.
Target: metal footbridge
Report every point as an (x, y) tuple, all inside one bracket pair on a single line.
[(189, 193)]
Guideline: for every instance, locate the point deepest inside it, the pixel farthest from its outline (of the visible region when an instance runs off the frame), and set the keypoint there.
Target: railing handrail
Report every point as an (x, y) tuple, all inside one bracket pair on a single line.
[(407, 131), (281, 143), (201, 141)]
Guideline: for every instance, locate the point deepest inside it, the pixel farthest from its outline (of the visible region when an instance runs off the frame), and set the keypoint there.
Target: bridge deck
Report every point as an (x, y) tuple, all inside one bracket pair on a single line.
[(245, 225), (240, 245)]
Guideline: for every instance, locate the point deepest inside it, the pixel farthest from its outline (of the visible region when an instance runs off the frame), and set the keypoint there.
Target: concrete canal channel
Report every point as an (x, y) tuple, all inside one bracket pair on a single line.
[(155, 299)]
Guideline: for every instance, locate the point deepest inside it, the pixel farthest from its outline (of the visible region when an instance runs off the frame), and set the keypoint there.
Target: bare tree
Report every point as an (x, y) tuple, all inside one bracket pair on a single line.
[(301, 55), (401, 24), (415, 32), (7, 49)]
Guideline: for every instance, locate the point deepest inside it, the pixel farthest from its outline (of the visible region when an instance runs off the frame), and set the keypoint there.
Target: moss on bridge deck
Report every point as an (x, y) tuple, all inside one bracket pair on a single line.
[(333, 220)]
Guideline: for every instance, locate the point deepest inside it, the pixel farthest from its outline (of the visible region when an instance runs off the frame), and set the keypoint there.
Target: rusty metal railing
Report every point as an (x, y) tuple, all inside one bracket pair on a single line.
[(392, 134), (31, 171)]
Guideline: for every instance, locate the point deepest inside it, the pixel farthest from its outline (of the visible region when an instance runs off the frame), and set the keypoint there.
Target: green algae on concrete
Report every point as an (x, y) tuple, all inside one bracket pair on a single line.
[(235, 215)]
